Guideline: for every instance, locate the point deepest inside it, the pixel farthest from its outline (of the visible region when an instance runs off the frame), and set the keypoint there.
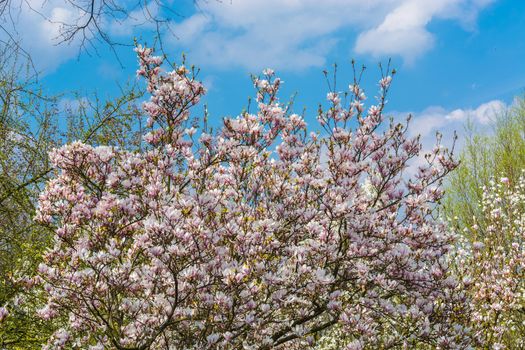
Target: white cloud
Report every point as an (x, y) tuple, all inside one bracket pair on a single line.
[(448, 122), (139, 18), (297, 34), (254, 34), (283, 34), (433, 119), (404, 30), (36, 25), (72, 104)]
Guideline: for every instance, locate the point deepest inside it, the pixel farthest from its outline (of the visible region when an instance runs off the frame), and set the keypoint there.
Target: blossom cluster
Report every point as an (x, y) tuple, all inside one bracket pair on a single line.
[(258, 236), (492, 265)]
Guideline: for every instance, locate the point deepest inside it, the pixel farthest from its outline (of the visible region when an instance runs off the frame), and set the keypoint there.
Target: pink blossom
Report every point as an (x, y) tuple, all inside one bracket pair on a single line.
[(256, 236), (3, 313)]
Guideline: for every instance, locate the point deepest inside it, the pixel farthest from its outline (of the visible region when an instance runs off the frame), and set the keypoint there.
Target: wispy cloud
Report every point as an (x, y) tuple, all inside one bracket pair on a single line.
[(293, 34), (254, 34), (435, 119), (432, 119), (404, 30), (136, 21), (283, 34), (428, 122), (36, 25)]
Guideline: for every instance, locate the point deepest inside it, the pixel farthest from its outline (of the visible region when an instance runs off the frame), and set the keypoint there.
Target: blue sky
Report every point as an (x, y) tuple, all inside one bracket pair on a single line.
[(456, 59)]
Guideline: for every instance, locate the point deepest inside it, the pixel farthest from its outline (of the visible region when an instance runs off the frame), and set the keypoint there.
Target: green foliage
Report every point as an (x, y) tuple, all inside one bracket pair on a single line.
[(31, 124), (494, 271), (485, 156), (27, 133)]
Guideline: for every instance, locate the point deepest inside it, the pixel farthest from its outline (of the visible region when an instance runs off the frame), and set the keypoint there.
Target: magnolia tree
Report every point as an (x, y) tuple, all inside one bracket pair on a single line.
[(492, 262), (257, 236)]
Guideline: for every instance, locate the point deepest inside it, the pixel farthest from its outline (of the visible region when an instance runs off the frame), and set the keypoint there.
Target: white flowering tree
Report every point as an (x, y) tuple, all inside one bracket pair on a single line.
[(492, 262), (259, 236)]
